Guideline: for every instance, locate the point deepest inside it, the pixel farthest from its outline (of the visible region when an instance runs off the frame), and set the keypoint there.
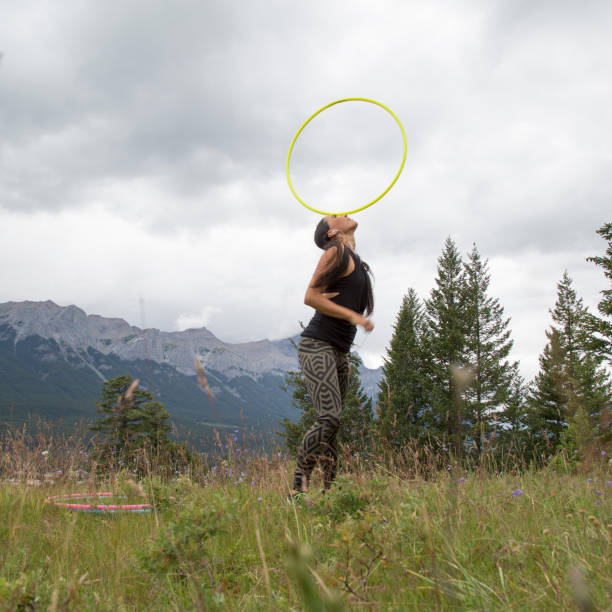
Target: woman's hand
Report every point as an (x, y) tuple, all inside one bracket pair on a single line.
[(363, 321)]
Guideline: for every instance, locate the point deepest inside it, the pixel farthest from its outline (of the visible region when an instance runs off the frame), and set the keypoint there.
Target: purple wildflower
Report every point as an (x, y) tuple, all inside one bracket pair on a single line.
[(608, 483), (603, 453), (462, 479), (245, 451), (259, 498), (252, 483), (589, 480), (598, 492), (516, 493), (235, 438), (235, 431), (598, 502)]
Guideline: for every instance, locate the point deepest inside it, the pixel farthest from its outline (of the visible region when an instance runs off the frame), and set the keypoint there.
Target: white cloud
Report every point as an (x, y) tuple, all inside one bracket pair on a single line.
[(197, 320)]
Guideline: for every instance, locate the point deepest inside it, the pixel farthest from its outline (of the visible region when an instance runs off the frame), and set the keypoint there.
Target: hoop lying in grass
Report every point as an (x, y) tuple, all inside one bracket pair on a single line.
[(61, 501)]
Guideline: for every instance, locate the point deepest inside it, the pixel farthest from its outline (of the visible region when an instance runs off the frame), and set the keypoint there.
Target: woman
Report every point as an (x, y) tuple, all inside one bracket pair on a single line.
[(340, 291)]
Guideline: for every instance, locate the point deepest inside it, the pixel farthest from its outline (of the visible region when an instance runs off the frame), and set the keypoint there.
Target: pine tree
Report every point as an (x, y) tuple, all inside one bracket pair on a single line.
[(514, 418), (571, 382), (402, 398), (548, 394), (357, 423), (488, 345), (445, 330), (131, 421), (601, 327), (357, 419)]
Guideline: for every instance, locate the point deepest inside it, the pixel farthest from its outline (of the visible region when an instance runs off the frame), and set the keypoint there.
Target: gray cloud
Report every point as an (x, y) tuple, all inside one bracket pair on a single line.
[(166, 127)]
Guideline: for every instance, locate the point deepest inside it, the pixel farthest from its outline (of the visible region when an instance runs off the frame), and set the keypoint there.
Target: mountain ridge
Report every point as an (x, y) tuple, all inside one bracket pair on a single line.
[(53, 356)]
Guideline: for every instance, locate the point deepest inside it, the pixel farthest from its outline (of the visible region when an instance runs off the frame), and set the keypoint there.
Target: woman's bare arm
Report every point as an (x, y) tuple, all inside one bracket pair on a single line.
[(320, 300)]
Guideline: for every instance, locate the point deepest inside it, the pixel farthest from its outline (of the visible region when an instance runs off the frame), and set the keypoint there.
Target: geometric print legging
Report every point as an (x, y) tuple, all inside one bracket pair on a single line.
[(326, 370)]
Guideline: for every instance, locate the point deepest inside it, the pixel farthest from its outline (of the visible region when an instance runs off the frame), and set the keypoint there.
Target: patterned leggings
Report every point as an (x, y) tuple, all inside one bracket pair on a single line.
[(326, 370)]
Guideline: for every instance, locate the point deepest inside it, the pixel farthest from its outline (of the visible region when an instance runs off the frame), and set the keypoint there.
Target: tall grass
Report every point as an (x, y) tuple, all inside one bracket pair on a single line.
[(398, 531)]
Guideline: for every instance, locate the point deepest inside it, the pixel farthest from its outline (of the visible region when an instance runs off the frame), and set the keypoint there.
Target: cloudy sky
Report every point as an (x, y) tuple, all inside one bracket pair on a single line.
[(143, 143)]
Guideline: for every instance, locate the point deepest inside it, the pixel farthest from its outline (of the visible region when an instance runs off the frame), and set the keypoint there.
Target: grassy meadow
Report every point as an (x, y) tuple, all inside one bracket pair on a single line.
[(224, 537)]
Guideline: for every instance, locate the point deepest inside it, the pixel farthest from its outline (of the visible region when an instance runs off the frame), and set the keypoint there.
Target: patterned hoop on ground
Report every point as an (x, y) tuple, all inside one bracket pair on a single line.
[(61, 501), (349, 212)]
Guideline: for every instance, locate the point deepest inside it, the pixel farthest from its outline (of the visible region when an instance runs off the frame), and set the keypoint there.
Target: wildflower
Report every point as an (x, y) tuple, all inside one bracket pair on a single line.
[(589, 480), (603, 453), (236, 484), (244, 451), (235, 431), (460, 480), (516, 493), (598, 492), (235, 439), (608, 483), (252, 483), (259, 499), (598, 502), (59, 471)]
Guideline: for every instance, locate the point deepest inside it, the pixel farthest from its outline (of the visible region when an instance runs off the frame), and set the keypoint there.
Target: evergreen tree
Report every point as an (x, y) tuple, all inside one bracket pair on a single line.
[(402, 398), (488, 345), (357, 423), (548, 394), (514, 418), (602, 326), (445, 330), (131, 420), (571, 382), (357, 419)]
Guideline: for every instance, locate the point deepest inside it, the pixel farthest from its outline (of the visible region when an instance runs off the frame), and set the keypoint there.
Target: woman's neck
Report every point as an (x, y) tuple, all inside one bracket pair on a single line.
[(349, 241)]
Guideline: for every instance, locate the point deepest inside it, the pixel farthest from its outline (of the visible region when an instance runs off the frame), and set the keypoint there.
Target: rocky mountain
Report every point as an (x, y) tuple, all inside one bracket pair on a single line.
[(53, 360)]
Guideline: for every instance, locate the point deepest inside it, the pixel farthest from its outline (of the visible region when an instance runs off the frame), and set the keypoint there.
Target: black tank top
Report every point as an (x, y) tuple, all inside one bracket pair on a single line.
[(353, 294)]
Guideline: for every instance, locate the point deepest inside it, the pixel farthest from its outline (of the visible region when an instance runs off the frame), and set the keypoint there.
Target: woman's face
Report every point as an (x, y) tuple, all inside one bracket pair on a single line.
[(342, 223)]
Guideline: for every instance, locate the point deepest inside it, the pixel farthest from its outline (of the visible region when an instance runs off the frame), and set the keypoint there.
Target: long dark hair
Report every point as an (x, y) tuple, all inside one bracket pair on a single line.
[(340, 263)]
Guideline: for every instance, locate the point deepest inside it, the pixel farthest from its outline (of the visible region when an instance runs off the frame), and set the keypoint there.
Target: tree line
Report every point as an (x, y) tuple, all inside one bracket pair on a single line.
[(448, 379)]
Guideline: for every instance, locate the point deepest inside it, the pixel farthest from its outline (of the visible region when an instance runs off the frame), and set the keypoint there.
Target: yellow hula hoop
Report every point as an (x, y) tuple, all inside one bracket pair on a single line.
[(350, 212)]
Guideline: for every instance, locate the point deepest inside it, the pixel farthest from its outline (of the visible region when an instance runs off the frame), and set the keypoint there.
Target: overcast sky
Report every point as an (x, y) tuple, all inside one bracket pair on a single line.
[(143, 143)]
